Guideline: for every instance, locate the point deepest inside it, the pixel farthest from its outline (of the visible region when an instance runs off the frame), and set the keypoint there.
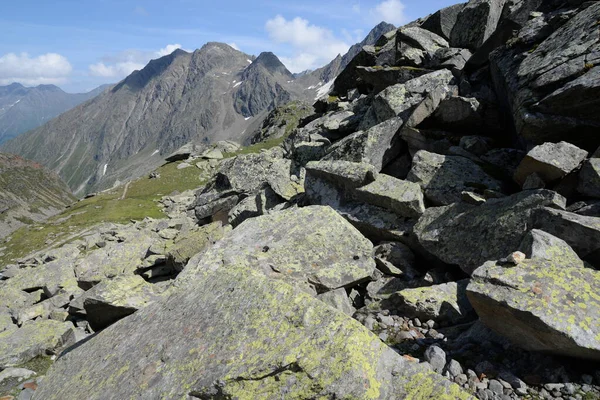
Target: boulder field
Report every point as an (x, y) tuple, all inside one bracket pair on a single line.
[(432, 231)]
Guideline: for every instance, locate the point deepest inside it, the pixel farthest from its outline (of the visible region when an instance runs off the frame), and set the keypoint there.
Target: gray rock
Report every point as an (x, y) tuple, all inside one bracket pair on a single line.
[(475, 23), (551, 161), (538, 244), (193, 243), (580, 232), (443, 303), (505, 161), (489, 231), (477, 145), (339, 300), (312, 350), (589, 177), (401, 197), (346, 174), (112, 300), (454, 369), (443, 20), (19, 373), (377, 146), (458, 113), (396, 259), (535, 306), (496, 387), (534, 181), (291, 244), (444, 178), (253, 206), (436, 357), (33, 339)]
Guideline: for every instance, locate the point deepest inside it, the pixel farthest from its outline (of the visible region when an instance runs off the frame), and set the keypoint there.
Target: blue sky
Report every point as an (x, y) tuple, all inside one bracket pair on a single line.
[(81, 44)]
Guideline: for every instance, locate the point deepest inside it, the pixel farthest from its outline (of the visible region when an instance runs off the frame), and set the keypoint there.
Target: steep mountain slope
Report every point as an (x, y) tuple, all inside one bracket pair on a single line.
[(126, 131), (23, 109), (28, 192)]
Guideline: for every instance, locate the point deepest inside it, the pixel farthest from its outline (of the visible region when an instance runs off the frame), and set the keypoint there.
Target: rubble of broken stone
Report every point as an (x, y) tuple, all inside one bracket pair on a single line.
[(434, 232)]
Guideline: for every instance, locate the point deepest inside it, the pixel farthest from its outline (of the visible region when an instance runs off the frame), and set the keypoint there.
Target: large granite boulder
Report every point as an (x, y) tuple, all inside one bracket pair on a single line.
[(313, 247), (377, 146), (475, 23), (192, 243), (468, 236), (552, 89), (33, 339), (538, 244), (444, 178), (589, 177), (236, 333), (442, 22), (401, 197), (114, 299), (540, 305), (550, 161)]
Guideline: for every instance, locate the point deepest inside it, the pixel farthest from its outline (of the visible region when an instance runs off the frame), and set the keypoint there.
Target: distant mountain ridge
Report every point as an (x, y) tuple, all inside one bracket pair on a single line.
[(215, 93), (25, 108)]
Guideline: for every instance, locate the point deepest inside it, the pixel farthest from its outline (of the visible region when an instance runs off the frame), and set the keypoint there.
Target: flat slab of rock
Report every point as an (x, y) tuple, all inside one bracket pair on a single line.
[(311, 246), (114, 299), (541, 305), (17, 346), (445, 303), (468, 236), (401, 197), (346, 174), (550, 161), (239, 334), (444, 178)]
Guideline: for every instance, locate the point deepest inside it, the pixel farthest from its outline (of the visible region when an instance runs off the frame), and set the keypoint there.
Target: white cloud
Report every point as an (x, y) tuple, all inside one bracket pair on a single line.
[(168, 49), (313, 46), (391, 11), (48, 68), (124, 63), (234, 46), (118, 70)]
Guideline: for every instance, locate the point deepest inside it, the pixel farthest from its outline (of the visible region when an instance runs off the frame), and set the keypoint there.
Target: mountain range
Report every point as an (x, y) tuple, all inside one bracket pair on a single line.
[(24, 108), (214, 93)]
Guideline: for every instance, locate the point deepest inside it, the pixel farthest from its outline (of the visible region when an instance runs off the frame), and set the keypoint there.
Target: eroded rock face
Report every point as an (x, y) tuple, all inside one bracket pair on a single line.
[(476, 22), (468, 236), (540, 305), (284, 342)]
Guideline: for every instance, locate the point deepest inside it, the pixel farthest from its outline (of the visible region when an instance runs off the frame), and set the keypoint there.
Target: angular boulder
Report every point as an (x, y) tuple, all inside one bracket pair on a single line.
[(377, 146), (589, 177), (475, 23), (239, 334), (468, 236), (540, 305), (444, 178), (550, 161), (446, 303), (114, 299), (442, 22), (580, 232), (192, 243), (538, 244), (396, 259), (313, 247), (401, 197), (33, 339)]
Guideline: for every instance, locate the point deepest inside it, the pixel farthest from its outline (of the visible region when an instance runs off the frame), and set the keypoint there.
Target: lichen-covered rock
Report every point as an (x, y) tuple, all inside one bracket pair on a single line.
[(192, 243), (34, 338), (55, 274), (444, 178), (538, 244), (239, 334), (313, 247), (580, 232), (401, 197), (445, 303), (377, 146), (468, 236), (541, 305), (114, 260), (114, 299), (253, 206), (551, 161), (344, 173), (475, 23), (377, 223)]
